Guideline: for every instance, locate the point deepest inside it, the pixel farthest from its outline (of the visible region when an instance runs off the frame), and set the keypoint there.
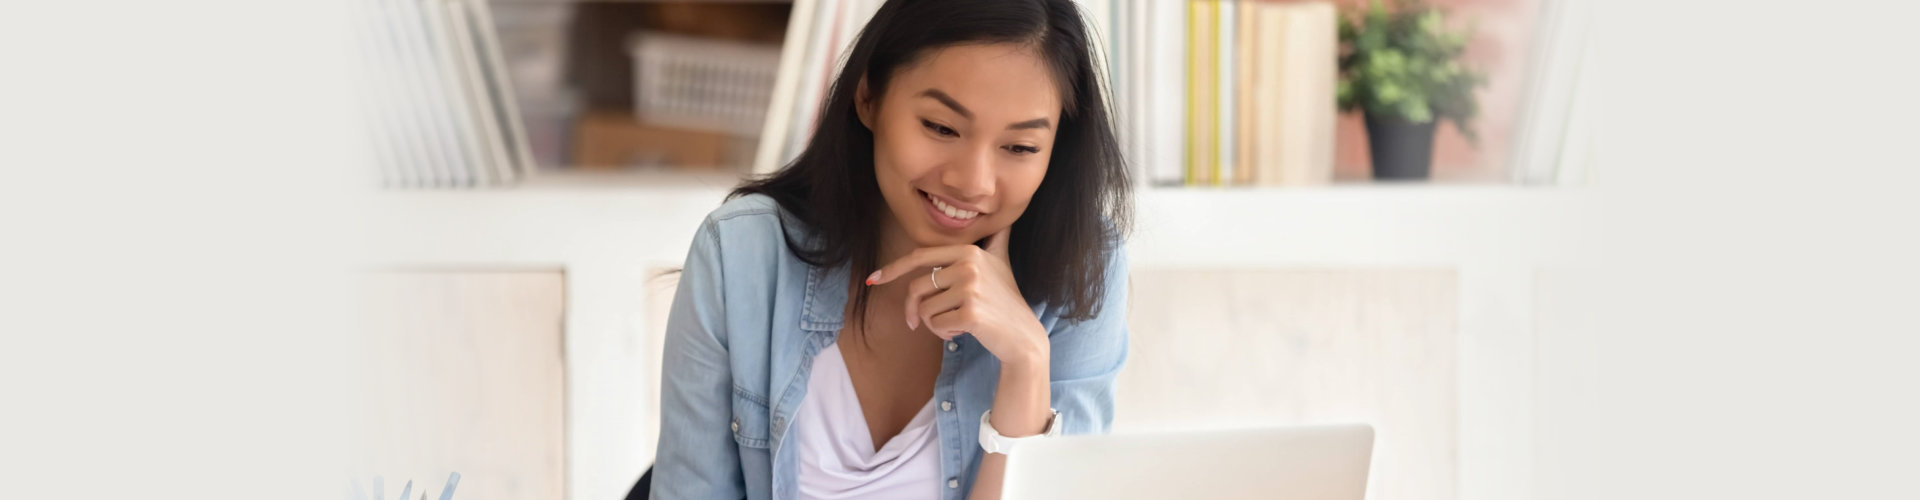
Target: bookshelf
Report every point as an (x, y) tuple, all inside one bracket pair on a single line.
[(1365, 225), (574, 78)]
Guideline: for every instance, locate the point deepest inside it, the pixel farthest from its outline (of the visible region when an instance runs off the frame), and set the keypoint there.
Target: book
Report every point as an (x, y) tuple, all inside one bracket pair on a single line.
[(1244, 91), (1165, 98), (816, 37), (1128, 102), (449, 94), (1321, 43), (437, 96), (1221, 169), (771, 153), (487, 143), (1202, 105), (1303, 78), (1269, 20), (517, 147), (413, 66)]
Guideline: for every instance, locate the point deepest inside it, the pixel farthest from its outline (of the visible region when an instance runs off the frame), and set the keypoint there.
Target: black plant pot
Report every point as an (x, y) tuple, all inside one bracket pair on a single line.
[(1401, 149)]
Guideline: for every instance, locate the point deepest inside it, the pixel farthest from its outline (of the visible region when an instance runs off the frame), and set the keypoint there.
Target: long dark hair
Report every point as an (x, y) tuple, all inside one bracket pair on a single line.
[(1082, 209)]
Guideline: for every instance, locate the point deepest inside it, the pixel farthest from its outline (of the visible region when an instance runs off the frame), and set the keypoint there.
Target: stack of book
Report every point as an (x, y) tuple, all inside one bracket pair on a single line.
[(441, 112), (1228, 92)]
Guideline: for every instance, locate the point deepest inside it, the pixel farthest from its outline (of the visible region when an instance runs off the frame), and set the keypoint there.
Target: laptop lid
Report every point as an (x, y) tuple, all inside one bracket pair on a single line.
[(1317, 462)]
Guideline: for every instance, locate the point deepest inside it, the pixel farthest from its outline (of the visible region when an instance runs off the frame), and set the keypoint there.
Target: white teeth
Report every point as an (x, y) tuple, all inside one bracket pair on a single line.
[(951, 211)]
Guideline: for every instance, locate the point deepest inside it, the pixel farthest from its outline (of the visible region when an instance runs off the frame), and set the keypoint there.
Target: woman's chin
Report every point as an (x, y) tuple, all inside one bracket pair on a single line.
[(941, 241), (940, 237)]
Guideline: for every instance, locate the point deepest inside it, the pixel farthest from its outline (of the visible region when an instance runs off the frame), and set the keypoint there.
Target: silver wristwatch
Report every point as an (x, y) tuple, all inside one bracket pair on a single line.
[(993, 442)]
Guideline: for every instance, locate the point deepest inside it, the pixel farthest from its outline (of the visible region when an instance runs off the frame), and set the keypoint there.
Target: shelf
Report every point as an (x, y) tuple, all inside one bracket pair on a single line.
[(1353, 225), (575, 177), (1360, 225), (641, 180)]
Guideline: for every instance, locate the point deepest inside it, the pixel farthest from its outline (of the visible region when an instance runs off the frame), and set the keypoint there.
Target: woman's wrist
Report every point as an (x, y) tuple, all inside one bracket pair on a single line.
[(1020, 412), (1029, 368), (1021, 403), (1030, 356)]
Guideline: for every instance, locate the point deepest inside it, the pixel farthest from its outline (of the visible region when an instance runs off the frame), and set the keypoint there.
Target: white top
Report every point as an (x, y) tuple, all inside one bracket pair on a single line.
[(837, 459)]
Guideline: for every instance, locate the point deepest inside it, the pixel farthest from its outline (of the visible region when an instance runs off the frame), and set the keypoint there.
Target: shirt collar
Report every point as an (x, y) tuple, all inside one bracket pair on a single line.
[(826, 301)]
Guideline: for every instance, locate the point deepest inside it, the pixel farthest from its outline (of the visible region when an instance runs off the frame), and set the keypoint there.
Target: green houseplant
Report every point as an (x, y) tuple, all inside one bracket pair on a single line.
[(1402, 69)]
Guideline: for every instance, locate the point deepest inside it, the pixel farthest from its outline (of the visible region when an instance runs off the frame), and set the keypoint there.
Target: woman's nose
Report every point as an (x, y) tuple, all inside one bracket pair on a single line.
[(971, 177)]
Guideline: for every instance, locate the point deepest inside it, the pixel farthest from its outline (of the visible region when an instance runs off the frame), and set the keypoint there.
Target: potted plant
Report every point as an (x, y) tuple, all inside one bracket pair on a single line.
[(1402, 69)]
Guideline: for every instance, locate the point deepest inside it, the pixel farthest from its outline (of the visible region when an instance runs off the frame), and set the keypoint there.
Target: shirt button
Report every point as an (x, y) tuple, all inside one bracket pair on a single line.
[(946, 406), (953, 346), (953, 483), (736, 426)]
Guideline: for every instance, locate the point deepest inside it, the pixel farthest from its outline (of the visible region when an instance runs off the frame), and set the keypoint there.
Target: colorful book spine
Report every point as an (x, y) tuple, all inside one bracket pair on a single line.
[(1224, 79), (1244, 91), (1202, 98)]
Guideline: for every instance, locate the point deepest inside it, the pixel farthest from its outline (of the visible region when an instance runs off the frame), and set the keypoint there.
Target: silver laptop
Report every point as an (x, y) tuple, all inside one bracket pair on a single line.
[(1318, 462)]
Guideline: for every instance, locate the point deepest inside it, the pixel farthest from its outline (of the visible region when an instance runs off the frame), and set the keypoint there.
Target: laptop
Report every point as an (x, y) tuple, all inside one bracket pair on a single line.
[(1317, 462)]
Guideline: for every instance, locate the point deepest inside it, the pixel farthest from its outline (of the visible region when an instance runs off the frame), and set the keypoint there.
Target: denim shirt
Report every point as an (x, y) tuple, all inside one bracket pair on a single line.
[(748, 318)]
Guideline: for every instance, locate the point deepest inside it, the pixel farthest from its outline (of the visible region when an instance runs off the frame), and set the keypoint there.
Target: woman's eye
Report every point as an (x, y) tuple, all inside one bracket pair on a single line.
[(938, 129), (1023, 150)]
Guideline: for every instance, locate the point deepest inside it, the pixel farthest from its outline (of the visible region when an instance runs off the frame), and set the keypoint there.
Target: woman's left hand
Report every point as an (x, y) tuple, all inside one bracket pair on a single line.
[(978, 295)]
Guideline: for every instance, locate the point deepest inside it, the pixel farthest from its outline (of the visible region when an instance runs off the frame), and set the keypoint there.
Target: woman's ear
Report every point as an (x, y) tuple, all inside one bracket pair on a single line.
[(862, 105)]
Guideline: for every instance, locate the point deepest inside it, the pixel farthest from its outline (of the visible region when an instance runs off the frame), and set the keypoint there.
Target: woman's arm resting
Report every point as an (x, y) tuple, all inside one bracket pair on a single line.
[(1083, 360)]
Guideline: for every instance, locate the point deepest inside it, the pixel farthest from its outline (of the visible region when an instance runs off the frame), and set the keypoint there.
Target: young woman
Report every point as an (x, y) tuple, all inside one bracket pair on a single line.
[(939, 277)]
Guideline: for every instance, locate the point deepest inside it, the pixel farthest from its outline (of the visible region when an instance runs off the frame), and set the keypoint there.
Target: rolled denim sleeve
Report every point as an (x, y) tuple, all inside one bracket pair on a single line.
[(1087, 356), (697, 457)]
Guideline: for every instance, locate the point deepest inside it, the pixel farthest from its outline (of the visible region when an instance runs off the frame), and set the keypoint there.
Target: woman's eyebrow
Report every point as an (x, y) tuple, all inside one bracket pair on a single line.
[(948, 100), (937, 95), (1034, 123)]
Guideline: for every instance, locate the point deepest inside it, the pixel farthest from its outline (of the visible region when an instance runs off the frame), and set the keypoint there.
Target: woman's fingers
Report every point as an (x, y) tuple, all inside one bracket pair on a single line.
[(924, 258), (917, 290), (940, 303), (920, 289), (952, 323)]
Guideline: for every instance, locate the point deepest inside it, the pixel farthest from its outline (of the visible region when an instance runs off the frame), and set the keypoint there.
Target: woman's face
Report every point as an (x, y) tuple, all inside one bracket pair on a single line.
[(961, 141)]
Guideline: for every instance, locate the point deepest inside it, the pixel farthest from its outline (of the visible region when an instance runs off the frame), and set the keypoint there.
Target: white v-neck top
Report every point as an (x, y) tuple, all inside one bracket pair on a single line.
[(837, 456)]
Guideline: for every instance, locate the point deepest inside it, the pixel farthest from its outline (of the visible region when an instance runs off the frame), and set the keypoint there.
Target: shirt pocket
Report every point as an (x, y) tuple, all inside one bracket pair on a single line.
[(749, 424)]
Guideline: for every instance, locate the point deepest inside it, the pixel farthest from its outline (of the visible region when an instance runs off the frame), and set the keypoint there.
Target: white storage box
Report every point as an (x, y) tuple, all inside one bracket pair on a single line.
[(701, 83)]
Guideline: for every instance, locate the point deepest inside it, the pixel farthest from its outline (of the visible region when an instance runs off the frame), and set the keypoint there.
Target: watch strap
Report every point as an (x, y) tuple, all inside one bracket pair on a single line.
[(993, 442)]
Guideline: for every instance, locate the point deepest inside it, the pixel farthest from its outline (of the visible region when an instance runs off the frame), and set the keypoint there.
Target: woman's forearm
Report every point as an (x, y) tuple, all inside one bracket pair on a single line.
[(1021, 407)]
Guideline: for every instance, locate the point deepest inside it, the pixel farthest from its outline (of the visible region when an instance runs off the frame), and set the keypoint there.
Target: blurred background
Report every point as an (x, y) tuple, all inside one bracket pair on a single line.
[(543, 162)]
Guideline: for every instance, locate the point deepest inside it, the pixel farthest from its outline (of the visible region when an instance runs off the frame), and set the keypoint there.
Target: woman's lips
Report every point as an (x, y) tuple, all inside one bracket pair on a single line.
[(940, 216)]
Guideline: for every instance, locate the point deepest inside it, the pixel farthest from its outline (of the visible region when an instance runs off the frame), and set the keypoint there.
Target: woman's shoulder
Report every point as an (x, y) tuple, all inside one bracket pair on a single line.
[(748, 205), (749, 215), (748, 223)]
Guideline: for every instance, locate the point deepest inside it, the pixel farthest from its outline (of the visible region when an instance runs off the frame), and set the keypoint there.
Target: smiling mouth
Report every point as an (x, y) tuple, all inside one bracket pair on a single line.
[(948, 215)]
